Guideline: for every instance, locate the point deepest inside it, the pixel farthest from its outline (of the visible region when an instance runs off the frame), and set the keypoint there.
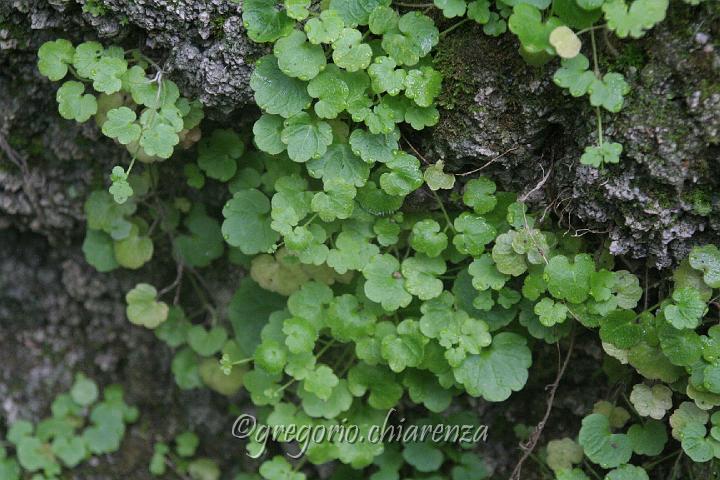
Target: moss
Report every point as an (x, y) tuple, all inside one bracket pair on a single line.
[(458, 73)]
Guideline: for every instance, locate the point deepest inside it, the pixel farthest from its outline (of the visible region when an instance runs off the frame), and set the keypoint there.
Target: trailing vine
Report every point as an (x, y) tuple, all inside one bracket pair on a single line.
[(353, 304)]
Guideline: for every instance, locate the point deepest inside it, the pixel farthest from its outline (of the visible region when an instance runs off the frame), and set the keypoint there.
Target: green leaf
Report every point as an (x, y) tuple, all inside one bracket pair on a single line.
[(610, 92), (290, 204), (157, 138), (569, 281), (374, 147), (98, 250), (356, 12), (106, 74), (143, 308), (498, 370), (34, 455), (384, 282), (385, 77), (84, 391), (451, 8), (206, 342), (405, 347), (74, 104), (627, 472), (265, 21), (423, 85), (54, 58), (505, 254), (204, 241), (296, 57), (609, 152), (247, 222), (636, 20), (485, 274), (335, 202), (218, 154), (601, 445), (415, 37), (275, 92), (306, 137), (427, 238), (351, 252), (120, 124), (382, 20), (71, 450), (339, 164), (622, 329), (279, 469), (86, 56), (550, 313), (133, 251), (473, 232), (297, 9), (575, 75), (479, 195), (321, 382), (420, 274), (707, 259), (687, 309), (326, 28), (563, 454), (534, 34), (349, 52), (404, 176), (648, 439), (424, 456), (331, 91), (385, 390), (267, 131)]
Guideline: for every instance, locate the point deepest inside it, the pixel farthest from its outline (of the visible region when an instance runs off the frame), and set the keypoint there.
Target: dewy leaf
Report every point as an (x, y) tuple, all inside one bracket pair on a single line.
[(707, 260), (384, 283), (134, 250), (473, 232), (306, 137), (575, 75), (247, 222), (265, 21), (636, 20), (120, 124), (382, 20), (565, 42), (384, 76), (218, 154), (74, 104), (427, 238), (326, 28), (602, 446), (479, 195), (266, 131), (404, 176), (569, 281), (687, 309), (374, 147), (356, 12), (120, 188), (297, 57), (437, 179), (106, 74), (416, 36), (275, 92), (609, 152), (331, 91), (339, 164), (527, 23), (485, 275), (143, 307), (609, 92), (423, 85), (497, 371), (550, 313), (349, 52), (54, 58)]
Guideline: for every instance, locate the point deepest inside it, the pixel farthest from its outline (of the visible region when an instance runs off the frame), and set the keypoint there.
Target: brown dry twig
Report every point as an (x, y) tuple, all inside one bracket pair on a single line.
[(531, 443), (488, 163)]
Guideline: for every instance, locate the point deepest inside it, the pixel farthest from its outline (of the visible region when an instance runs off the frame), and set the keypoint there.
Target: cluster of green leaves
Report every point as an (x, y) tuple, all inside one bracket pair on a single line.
[(181, 459), (146, 115), (676, 353), (81, 427)]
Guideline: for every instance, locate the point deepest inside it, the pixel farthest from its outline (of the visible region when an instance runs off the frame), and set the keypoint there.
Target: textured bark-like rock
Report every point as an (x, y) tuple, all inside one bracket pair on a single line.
[(659, 200)]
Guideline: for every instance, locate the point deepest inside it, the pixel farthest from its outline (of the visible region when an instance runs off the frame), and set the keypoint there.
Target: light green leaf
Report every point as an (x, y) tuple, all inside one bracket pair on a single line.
[(275, 92), (296, 57), (306, 137), (143, 308), (74, 104)]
